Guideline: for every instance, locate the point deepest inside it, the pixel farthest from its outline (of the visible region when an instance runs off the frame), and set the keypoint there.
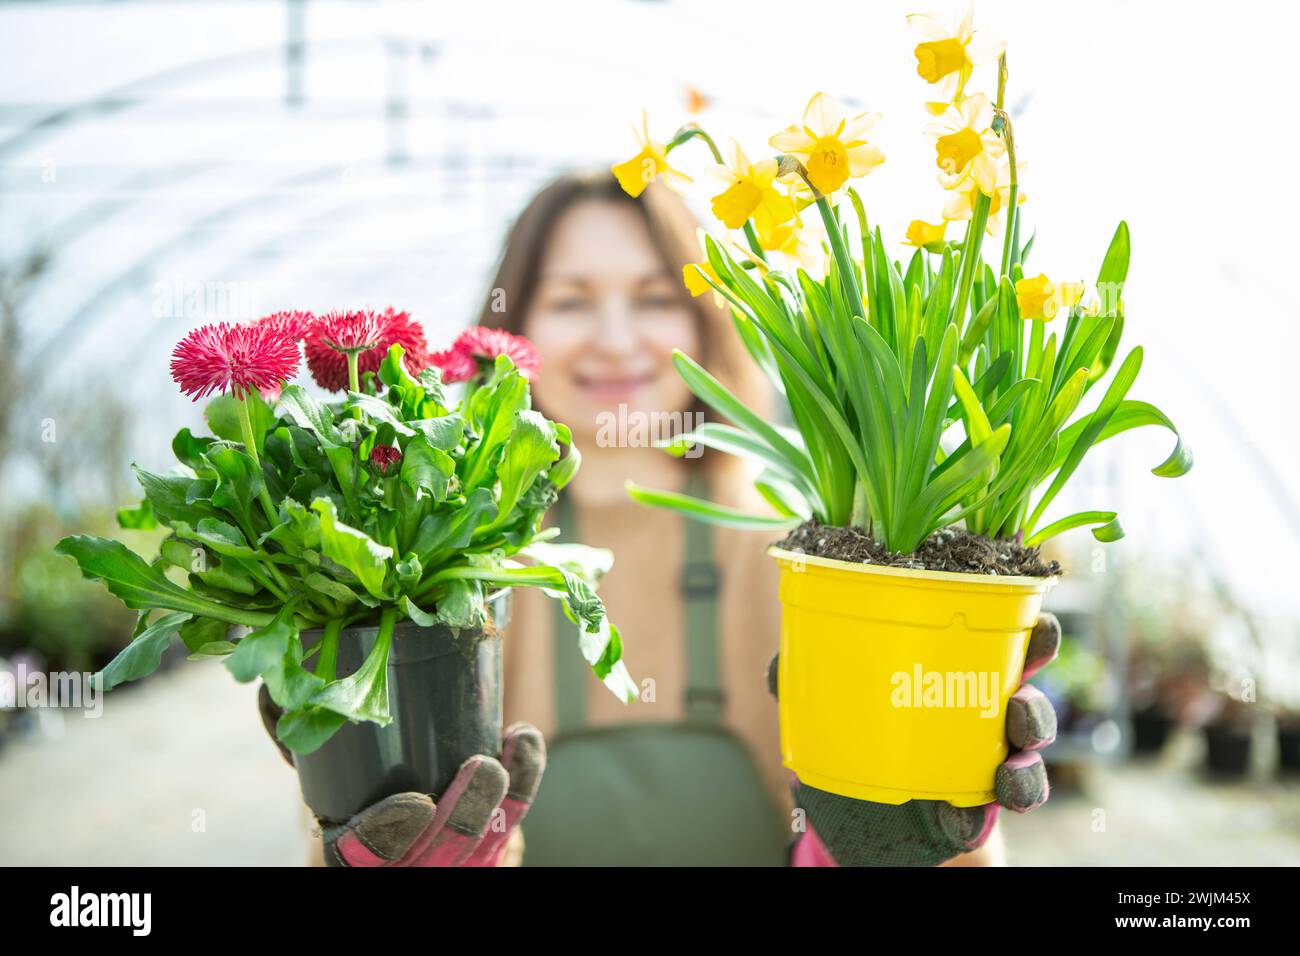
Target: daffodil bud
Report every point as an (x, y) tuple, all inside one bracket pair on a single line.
[(787, 166), (926, 236)]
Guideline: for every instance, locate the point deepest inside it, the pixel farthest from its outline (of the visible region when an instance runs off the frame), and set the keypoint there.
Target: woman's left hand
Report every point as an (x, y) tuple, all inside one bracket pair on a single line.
[(842, 831)]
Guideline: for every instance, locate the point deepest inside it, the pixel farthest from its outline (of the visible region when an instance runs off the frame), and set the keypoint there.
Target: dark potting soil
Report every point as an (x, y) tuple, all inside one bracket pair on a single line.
[(948, 549)]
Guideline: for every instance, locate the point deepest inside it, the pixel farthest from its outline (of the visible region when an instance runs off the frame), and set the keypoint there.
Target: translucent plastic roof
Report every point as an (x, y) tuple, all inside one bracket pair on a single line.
[(180, 162)]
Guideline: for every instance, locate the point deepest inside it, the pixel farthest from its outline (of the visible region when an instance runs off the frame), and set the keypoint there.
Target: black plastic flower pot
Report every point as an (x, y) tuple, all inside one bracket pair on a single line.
[(1150, 730), (1227, 751), (444, 693), (1288, 746)]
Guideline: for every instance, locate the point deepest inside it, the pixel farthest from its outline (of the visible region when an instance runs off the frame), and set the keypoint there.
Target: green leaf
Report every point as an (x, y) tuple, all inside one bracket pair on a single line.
[(263, 647), (299, 529), (380, 410), (445, 532), (1109, 530), (229, 575), (611, 670), (290, 685), (504, 396), (562, 472), (200, 631), (170, 496), (947, 489), (353, 549), (220, 536), (461, 605), (977, 423), (305, 450), (590, 564), (189, 448), (297, 405), (529, 451), (409, 570), (1114, 267), (431, 379), (712, 392), (304, 731), (420, 617), (1128, 415), (444, 432), (212, 650), (343, 461), (1115, 393), (364, 694), (239, 480), (140, 518), (223, 415), (408, 392), (426, 469), (336, 590), (599, 641), (1110, 287), (142, 656), (138, 585), (733, 441), (784, 497), (707, 511)]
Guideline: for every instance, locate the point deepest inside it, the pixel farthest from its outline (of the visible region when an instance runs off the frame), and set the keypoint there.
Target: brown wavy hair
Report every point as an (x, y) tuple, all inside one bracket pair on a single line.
[(672, 229)]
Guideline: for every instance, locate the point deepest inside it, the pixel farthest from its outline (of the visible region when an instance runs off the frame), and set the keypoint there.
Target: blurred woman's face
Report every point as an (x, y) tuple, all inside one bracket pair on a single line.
[(606, 316)]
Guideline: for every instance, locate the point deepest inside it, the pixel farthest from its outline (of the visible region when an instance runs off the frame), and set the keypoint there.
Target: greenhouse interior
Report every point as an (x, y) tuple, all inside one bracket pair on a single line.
[(171, 167)]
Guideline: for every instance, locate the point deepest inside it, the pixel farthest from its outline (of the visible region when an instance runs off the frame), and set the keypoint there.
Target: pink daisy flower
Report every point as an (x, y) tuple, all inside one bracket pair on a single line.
[(292, 323), (329, 366), (349, 331), (483, 345), (455, 365), (233, 358)]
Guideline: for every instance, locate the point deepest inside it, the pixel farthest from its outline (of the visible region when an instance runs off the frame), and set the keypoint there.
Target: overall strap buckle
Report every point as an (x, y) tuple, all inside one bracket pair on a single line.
[(700, 579)]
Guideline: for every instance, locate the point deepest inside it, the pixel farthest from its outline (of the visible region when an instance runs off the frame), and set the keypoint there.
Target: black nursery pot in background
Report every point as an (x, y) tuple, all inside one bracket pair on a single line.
[(1151, 728), (1288, 746), (444, 692), (1227, 750)]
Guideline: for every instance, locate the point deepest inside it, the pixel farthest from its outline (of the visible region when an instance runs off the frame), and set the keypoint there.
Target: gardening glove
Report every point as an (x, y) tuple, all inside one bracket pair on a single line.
[(843, 831), (473, 823)]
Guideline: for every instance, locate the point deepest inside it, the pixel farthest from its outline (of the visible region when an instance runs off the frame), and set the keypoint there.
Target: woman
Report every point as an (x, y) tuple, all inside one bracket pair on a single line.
[(689, 774)]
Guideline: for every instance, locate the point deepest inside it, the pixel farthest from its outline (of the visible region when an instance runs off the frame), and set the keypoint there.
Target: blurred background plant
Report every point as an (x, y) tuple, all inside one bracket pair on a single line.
[(62, 464)]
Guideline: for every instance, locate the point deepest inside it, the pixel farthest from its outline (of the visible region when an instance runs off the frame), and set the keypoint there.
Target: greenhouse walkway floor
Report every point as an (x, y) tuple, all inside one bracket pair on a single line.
[(179, 771)]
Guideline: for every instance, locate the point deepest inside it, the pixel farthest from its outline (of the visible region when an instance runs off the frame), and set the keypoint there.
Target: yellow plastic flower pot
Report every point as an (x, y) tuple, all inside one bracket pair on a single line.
[(893, 683)]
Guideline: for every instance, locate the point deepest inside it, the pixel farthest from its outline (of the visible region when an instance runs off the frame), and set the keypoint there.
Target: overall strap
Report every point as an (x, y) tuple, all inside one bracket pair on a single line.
[(570, 679), (699, 589)]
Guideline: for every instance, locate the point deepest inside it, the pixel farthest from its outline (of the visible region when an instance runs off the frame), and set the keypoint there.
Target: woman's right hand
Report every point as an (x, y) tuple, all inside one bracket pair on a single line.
[(474, 823)]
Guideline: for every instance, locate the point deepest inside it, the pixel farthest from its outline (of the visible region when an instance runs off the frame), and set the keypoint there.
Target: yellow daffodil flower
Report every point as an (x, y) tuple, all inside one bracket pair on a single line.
[(1034, 296), (1069, 295), (1042, 300), (802, 241), (926, 236), (961, 202), (831, 148), (966, 146), (694, 273), (1092, 307), (751, 191), (693, 277), (650, 162), (777, 236), (696, 102), (948, 55)]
